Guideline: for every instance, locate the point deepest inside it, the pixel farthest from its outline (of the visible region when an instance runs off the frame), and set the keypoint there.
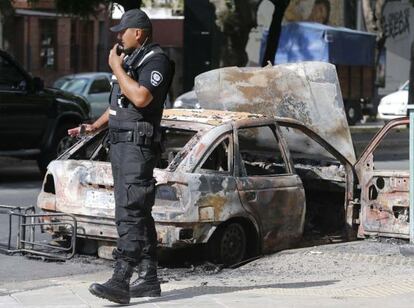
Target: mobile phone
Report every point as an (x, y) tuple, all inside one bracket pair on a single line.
[(119, 49)]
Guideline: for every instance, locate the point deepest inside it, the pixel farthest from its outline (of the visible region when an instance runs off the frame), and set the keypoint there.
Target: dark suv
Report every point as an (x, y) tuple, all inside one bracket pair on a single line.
[(33, 119)]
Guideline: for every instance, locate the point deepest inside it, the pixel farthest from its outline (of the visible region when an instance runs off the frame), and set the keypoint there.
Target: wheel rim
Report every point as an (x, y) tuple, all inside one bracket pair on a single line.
[(233, 244)]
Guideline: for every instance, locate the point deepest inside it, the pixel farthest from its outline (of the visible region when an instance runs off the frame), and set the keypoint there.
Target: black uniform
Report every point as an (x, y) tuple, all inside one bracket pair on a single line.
[(135, 149)]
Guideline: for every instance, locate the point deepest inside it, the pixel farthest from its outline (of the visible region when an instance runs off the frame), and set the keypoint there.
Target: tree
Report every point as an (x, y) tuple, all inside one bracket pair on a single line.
[(373, 22), (274, 30), (235, 19)]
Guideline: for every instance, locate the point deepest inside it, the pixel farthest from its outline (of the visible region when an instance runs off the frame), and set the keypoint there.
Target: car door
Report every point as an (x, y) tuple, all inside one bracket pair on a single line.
[(383, 172), (268, 188), (23, 111), (218, 198), (98, 95)]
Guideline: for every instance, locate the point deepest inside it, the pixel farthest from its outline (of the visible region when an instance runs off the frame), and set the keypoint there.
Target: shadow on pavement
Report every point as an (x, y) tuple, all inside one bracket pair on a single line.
[(212, 290)]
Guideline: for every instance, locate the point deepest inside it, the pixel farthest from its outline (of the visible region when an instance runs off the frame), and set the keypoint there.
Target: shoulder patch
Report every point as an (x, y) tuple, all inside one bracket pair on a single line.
[(156, 78)]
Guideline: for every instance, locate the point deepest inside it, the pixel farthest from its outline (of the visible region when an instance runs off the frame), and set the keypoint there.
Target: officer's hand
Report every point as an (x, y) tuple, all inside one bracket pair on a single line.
[(81, 129), (114, 60)]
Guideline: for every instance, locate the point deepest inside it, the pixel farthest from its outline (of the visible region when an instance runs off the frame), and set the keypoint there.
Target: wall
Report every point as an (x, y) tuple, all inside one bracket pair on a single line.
[(399, 26)]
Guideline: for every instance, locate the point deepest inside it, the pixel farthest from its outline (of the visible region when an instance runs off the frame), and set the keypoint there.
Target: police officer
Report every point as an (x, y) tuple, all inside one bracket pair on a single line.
[(142, 77)]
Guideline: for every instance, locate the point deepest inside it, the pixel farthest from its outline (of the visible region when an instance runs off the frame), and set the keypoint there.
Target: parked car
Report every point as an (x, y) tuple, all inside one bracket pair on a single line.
[(187, 100), (95, 87), (33, 119), (238, 183), (394, 105)]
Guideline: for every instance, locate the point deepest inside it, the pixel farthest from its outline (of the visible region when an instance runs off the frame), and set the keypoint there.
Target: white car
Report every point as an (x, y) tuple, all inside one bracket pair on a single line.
[(394, 105)]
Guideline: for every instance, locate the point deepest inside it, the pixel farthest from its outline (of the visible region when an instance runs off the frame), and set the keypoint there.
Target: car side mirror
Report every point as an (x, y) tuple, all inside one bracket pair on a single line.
[(38, 84)]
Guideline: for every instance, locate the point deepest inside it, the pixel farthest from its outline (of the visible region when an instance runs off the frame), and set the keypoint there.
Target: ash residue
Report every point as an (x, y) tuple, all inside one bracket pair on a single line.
[(345, 264)]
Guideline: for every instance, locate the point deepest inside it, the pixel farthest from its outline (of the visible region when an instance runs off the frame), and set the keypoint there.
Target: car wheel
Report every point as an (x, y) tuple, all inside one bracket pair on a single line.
[(228, 244), (60, 143)]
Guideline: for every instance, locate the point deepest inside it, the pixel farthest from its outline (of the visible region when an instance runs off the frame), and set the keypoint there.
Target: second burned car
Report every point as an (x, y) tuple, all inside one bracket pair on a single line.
[(234, 181)]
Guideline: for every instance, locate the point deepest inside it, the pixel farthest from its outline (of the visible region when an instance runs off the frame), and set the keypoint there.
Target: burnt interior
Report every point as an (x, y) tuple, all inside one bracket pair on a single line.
[(324, 180), (97, 148)]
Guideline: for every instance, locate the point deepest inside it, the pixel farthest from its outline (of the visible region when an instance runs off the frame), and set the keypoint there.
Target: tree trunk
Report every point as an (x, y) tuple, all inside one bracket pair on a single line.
[(235, 19), (373, 23), (274, 31)]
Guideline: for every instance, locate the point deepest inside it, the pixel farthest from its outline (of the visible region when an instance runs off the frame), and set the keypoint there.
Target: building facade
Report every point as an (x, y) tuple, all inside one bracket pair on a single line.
[(50, 45)]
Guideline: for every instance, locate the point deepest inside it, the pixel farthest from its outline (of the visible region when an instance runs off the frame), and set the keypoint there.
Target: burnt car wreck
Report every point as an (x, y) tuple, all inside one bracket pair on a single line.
[(239, 183), (215, 184)]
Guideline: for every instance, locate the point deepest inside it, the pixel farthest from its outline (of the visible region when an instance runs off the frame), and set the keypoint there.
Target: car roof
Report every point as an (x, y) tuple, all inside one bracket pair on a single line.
[(210, 117), (87, 75)]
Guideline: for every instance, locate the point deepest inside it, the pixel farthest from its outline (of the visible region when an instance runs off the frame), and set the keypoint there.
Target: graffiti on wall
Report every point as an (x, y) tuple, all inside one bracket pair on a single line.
[(396, 23)]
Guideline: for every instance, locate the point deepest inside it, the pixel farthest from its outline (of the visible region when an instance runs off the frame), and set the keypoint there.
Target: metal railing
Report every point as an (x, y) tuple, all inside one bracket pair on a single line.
[(24, 221)]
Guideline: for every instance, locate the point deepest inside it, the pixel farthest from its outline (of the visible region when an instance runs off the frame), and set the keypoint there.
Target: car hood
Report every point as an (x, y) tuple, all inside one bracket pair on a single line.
[(308, 92), (67, 97), (399, 97)]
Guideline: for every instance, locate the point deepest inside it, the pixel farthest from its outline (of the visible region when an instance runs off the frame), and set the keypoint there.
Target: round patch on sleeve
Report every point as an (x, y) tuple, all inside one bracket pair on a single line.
[(156, 78)]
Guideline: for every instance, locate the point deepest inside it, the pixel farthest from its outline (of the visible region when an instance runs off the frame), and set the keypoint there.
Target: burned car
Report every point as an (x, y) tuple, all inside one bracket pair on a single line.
[(243, 184), (226, 179)]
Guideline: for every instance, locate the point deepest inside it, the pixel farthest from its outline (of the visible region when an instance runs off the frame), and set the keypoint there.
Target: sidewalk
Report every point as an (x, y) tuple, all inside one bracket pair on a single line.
[(325, 276), (73, 292)]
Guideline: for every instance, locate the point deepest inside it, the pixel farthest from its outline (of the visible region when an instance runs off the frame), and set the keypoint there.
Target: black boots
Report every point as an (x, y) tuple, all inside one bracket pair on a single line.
[(116, 289), (147, 283)]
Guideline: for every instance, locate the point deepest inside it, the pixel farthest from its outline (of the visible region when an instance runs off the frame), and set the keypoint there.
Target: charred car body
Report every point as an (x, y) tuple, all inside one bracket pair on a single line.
[(241, 183), (216, 184)]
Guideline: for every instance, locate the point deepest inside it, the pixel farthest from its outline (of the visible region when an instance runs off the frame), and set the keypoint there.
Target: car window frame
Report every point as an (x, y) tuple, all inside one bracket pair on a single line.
[(284, 150), (209, 151)]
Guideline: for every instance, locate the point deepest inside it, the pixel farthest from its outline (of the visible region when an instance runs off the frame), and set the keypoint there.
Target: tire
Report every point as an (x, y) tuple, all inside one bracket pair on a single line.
[(60, 143), (228, 244)]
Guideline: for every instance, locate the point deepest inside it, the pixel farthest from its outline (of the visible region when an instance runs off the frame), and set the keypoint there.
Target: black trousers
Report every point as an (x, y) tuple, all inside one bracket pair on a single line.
[(134, 189)]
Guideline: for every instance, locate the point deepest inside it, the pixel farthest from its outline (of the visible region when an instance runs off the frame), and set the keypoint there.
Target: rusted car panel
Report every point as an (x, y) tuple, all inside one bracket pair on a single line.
[(384, 193), (308, 92), (201, 186)]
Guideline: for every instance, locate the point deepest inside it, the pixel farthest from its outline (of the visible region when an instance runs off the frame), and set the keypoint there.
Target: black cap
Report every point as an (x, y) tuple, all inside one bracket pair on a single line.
[(134, 18)]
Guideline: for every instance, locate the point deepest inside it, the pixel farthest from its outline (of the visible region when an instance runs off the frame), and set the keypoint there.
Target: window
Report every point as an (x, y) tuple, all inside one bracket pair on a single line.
[(218, 159), (47, 43), (100, 86), (311, 160), (76, 85), (393, 151), (260, 151), (10, 77)]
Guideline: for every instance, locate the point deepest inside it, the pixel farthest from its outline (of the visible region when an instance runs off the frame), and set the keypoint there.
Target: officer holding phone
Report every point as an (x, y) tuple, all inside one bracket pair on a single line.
[(142, 75)]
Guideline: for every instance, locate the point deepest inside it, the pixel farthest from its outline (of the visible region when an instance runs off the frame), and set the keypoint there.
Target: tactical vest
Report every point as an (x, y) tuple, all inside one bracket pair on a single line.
[(123, 114)]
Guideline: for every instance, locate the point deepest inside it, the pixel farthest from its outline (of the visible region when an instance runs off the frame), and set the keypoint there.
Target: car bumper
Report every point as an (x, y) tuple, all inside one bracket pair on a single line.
[(168, 234), (388, 116)]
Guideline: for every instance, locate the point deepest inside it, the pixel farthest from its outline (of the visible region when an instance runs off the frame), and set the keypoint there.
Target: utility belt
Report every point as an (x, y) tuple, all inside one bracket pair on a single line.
[(143, 133)]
